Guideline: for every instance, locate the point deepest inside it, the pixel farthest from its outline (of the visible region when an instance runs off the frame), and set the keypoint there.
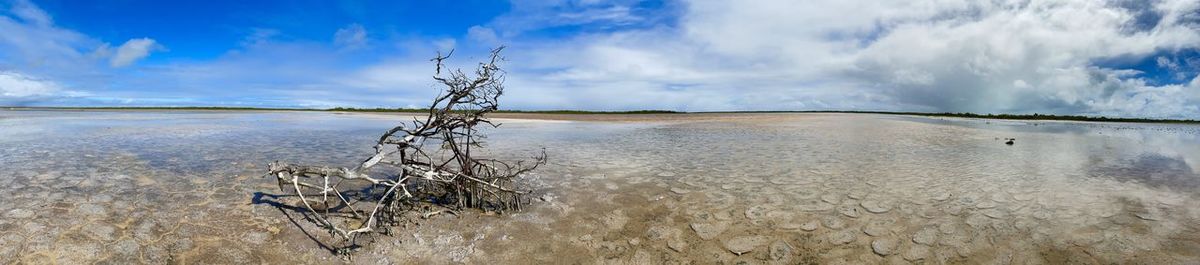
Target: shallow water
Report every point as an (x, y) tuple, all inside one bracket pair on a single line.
[(156, 187)]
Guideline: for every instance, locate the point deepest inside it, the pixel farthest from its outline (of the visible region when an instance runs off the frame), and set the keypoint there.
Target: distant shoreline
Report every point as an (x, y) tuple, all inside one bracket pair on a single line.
[(636, 112)]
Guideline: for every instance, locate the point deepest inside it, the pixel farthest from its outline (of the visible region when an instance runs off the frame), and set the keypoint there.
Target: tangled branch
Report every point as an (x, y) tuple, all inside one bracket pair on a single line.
[(429, 160)]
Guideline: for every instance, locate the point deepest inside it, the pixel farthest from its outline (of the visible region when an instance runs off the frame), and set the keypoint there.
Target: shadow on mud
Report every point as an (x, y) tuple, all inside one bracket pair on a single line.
[(273, 200)]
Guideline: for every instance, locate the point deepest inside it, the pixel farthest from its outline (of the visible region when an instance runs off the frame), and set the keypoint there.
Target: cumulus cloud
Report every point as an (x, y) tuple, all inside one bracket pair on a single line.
[(1109, 57), (132, 51), (16, 85), (353, 36), (929, 55), (20, 89), (973, 61)]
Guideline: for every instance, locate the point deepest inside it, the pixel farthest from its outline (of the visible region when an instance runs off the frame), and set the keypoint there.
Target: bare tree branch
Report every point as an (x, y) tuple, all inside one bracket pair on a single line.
[(434, 153)]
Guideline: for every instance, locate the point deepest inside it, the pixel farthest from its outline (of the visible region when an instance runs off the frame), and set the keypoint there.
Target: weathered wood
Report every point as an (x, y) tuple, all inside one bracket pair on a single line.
[(431, 152)]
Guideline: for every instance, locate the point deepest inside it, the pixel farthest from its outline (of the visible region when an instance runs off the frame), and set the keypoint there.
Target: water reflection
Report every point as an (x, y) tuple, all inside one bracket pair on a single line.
[(1152, 169), (153, 187)]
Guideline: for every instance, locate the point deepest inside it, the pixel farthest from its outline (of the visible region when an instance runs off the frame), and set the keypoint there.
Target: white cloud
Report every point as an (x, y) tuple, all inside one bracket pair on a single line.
[(101, 52), (1167, 63), (929, 55), (409, 76), (1051, 56), (613, 14), (482, 35), (20, 89), (445, 44), (353, 36), (259, 37), (30, 13), (40, 60), (29, 41), (16, 85), (1050, 45), (529, 15), (132, 51)]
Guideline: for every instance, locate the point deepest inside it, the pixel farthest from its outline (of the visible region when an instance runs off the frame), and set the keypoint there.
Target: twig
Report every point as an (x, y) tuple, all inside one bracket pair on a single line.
[(445, 168)]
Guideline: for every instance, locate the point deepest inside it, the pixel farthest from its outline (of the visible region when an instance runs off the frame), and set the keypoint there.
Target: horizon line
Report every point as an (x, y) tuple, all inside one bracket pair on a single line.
[(1006, 116)]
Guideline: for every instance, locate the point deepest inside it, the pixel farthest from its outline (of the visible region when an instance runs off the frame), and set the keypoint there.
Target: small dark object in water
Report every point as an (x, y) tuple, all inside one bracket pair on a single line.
[(1010, 141)]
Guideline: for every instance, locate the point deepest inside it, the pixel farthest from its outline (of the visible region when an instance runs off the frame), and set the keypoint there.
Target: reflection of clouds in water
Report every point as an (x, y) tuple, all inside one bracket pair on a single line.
[(1168, 141), (899, 174), (1181, 147), (1151, 169)]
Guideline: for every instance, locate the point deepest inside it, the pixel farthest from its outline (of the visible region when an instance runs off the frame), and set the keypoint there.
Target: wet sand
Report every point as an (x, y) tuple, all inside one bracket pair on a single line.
[(185, 187)]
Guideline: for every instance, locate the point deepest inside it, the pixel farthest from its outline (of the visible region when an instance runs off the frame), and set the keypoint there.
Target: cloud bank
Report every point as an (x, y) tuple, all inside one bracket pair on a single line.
[(15, 85), (1067, 56), (1115, 58), (17, 89)]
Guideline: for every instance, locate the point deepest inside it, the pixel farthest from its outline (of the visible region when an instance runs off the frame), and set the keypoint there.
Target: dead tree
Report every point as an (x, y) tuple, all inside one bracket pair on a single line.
[(428, 161)]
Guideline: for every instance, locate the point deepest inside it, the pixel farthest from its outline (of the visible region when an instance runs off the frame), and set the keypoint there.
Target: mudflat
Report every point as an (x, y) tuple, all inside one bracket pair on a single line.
[(187, 186)]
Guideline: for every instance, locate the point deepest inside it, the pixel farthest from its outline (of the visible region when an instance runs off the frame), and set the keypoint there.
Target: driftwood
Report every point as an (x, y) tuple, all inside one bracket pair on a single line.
[(429, 161)]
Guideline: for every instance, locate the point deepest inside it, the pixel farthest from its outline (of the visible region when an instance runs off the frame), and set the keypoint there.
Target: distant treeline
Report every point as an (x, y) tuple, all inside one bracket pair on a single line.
[(512, 111), (159, 108), (409, 110), (1034, 116)]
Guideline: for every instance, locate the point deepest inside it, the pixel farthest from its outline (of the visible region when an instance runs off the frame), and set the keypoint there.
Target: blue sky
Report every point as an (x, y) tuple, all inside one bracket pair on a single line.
[(202, 30), (1116, 58)]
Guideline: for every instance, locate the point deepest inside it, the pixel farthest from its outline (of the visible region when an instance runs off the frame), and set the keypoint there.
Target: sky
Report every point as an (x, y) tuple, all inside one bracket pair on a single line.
[(1082, 57)]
